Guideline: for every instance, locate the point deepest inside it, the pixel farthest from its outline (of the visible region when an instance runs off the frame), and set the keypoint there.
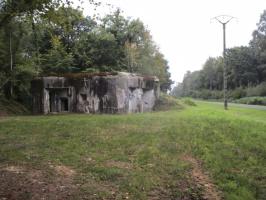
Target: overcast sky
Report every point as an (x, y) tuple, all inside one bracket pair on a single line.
[(183, 29)]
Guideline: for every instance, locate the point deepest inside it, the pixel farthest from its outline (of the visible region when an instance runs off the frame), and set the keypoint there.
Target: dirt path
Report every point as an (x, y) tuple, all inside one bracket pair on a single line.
[(202, 180)]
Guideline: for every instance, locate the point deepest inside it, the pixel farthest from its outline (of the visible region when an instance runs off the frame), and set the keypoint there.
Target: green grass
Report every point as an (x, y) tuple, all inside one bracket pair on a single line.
[(231, 145)]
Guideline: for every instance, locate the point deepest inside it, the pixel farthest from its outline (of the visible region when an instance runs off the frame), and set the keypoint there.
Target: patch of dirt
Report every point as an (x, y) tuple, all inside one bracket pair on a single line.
[(3, 114), (64, 170), (159, 193), (88, 160), (14, 169), (96, 191), (119, 164), (202, 180), (20, 183), (56, 182)]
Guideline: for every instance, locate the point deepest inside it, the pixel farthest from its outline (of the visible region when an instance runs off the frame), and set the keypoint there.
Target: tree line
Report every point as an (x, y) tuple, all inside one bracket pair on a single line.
[(51, 37), (246, 71)]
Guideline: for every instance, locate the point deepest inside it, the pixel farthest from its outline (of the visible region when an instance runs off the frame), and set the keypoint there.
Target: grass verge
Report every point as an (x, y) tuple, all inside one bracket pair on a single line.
[(138, 156)]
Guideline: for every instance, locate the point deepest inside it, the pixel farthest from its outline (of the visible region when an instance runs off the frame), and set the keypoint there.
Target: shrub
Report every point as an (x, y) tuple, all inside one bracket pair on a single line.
[(259, 90), (167, 102), (11, 107), (209, 94), (189, 102), (237, 93), (252, 100)]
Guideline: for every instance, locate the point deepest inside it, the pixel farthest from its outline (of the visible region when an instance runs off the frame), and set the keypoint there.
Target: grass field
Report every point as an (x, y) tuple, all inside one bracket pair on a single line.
[(195, 153)]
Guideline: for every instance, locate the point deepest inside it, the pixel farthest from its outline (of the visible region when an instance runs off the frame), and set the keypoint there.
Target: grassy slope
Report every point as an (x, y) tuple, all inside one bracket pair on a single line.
[(139, 155), (11, 107)]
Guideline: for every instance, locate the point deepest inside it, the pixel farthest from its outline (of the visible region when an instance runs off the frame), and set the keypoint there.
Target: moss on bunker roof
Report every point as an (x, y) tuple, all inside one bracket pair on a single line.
[(103, 74)]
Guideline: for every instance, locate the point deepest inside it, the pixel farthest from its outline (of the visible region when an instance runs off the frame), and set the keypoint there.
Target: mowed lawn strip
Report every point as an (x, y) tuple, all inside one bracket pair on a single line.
[(140, 156)]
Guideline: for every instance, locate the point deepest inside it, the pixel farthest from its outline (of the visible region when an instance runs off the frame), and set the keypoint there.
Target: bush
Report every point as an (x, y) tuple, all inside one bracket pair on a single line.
[(204, 94), (252, 100), (189, 102), (167, 102), (259, 90), (237, 93), (11, 107)]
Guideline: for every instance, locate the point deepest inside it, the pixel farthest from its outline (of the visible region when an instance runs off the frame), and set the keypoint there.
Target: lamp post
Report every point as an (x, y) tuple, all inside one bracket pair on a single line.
[(224, 19)]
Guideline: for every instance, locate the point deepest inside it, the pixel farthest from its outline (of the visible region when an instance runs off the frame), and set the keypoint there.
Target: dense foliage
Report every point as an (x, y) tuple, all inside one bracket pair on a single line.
[(51, 37), (246, 71)]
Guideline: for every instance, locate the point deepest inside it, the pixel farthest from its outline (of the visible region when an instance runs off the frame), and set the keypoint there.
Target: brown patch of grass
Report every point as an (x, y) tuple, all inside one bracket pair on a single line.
[(119, 164), (20, 182), (88, 160), (92, 189), (201, 179), (64, 170), (14, 169), (159, 193)]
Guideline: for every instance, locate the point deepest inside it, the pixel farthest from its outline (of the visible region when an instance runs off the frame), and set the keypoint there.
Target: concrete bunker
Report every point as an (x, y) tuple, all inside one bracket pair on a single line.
[(95, 93)]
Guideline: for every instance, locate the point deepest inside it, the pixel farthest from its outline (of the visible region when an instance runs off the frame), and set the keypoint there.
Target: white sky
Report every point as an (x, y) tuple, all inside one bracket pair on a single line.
[(183, 31)]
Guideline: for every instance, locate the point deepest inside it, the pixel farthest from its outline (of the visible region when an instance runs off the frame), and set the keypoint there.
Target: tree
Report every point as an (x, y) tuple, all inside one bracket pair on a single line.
[(178, 90), (258, 45), (241, 63), (57, 60), (10, 9), (209, 73), (52, 38)]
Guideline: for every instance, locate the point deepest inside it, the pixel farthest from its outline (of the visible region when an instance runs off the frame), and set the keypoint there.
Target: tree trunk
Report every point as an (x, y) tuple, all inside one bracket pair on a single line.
[(35, 38), (11, 63)]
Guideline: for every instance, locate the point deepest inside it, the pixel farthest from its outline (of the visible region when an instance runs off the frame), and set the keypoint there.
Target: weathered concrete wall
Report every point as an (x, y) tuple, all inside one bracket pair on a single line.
[(120, 93), (148, 100), (97, 95)]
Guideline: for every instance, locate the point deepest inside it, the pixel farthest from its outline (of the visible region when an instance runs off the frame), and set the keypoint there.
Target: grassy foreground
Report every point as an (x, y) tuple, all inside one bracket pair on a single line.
[(140, 156)]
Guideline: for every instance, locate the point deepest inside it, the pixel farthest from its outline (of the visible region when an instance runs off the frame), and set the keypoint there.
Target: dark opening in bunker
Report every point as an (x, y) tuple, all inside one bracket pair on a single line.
[(53, 100), (58, 100), (83, 97), (64, 104)]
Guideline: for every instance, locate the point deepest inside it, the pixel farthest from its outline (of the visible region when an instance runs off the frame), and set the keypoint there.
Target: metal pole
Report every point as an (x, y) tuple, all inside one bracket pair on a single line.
[(224, 67), (224, 19)]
